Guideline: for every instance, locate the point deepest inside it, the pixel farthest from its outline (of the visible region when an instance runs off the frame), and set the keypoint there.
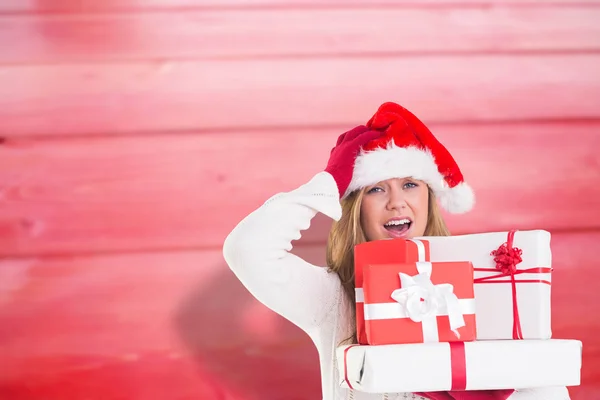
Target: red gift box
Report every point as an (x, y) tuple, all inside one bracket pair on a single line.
[(419, 302), (388, 251)]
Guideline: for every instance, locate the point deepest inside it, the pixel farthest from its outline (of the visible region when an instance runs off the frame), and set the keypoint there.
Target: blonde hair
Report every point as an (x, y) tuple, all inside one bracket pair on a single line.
[(348, 232)]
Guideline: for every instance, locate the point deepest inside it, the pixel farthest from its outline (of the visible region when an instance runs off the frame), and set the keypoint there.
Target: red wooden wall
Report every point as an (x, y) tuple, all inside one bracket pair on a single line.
[(135, 134)]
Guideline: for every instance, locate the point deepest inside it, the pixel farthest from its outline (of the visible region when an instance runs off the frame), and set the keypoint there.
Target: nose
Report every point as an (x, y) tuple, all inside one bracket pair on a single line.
[(396, 198)]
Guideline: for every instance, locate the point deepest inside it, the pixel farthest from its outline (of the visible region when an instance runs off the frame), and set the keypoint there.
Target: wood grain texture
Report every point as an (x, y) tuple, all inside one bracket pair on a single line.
[(92, 6), (143, 326), (158, 96), (327, 32), (70, 325), (174, 191)]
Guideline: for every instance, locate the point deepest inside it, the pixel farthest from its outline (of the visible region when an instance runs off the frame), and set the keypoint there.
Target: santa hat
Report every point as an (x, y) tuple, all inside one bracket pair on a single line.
[(408, 149)]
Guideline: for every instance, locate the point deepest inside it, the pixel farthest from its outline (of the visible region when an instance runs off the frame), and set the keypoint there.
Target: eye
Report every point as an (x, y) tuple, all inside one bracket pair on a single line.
[(410, 185), (374, 190)]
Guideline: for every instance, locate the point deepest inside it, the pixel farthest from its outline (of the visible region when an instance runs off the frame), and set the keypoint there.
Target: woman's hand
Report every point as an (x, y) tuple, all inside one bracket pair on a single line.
[(343, 155)]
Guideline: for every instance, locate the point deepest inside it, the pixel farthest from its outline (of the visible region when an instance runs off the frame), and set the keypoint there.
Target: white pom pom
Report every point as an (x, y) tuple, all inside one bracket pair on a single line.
[(458, 200)]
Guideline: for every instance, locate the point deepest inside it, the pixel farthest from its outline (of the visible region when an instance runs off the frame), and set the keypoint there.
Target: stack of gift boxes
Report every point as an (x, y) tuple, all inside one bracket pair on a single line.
[(456, 313)]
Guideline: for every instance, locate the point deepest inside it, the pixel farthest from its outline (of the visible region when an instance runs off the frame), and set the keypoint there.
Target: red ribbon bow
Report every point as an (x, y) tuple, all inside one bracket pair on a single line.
[(507, 257)]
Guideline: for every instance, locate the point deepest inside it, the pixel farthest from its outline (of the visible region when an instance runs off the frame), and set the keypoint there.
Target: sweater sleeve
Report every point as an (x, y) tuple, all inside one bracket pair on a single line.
[(258, 252)]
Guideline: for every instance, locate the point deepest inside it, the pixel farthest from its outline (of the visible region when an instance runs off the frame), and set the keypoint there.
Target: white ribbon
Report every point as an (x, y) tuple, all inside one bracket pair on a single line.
[(423, 302), (420, 249)]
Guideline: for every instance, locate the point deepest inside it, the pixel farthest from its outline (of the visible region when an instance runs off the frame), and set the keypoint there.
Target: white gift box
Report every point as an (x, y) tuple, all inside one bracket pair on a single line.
[(494, 298), (488, 365)]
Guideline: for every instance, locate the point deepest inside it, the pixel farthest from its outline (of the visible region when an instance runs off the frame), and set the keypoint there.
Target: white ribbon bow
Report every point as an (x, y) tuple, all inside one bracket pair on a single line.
[(423, 301)]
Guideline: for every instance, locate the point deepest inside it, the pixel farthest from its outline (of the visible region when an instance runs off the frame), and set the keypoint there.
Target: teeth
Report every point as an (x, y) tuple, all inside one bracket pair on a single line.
[(398, 222)]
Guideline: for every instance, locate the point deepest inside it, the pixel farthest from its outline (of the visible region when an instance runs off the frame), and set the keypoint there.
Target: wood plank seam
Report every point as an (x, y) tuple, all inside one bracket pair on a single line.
[(9, 140), (7, 9)]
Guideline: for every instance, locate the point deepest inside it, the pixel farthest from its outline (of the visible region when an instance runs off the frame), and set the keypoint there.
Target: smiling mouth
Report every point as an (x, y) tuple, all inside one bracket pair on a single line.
[(398, 227)]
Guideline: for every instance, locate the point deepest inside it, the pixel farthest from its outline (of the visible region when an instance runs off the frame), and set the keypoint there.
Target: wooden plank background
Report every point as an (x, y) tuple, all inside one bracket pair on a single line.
[(77, 6), (202, 34), (188, 190), (135, 134), (222, 95)]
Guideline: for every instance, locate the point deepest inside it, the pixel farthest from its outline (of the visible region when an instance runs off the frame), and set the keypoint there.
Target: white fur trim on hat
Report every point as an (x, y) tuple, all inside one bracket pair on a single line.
[(401, 162)]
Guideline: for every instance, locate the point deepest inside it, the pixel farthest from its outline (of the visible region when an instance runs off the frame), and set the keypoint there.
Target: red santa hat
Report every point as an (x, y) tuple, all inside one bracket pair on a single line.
[(409, 149)]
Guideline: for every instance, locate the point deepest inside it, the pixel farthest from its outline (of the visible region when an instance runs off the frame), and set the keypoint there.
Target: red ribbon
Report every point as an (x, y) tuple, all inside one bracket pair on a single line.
[(458, 361), (346, 366), (507, 257), (493, 278)]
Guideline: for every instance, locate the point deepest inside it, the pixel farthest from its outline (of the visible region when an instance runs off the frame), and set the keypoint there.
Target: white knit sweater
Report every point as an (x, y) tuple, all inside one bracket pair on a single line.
[(258, 252)]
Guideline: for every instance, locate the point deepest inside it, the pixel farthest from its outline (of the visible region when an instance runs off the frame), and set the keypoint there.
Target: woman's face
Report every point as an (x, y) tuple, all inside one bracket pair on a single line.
[(395, 208)]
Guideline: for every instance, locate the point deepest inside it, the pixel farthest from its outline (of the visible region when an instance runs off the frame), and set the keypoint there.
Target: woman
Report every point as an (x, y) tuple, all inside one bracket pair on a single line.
[(383, 180)]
